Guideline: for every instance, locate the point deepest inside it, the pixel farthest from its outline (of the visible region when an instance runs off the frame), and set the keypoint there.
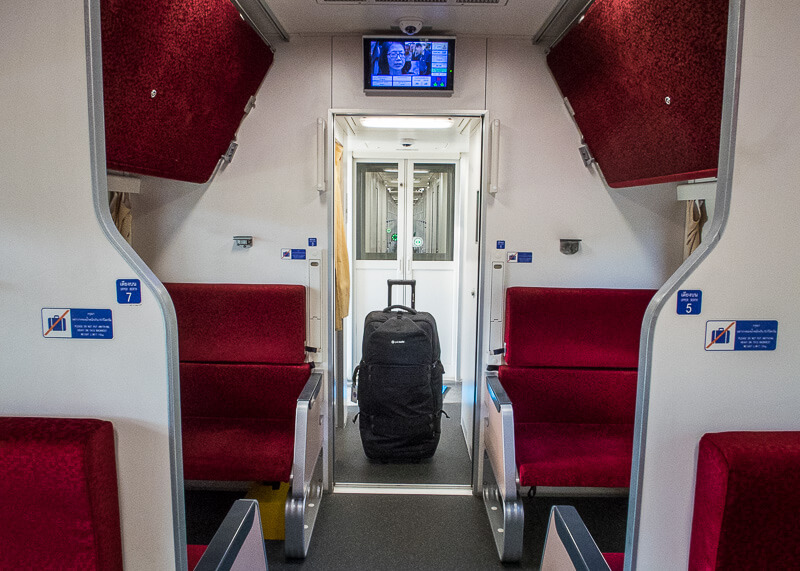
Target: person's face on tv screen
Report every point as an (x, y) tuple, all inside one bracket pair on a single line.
[(396, 56)]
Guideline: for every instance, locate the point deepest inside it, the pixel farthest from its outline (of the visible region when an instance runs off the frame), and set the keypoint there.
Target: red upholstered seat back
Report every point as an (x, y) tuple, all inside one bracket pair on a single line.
[(566, 327), (747, 501), (570, 395), (59, 507), (242, 390), (240, 323)]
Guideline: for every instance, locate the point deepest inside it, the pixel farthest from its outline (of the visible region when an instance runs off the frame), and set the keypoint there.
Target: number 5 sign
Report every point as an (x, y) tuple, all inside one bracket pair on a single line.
[(690, 301)]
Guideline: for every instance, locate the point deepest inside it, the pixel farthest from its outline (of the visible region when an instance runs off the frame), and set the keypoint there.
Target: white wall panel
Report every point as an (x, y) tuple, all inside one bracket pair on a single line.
[(751, 274), (54, 254)]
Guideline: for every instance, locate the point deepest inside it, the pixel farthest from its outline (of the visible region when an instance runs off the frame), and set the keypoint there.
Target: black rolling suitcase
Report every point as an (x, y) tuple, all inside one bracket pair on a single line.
[(399, 383)]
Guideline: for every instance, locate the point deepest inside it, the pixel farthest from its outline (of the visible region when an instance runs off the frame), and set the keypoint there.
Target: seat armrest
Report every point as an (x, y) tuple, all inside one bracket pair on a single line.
[(303, 501), (499, 435), (307, 434), (239, 541), (503, 506), (568, 545)]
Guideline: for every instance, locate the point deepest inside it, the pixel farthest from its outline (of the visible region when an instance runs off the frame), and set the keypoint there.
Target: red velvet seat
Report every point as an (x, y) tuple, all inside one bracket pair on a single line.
[(571, 374), (242, 353), (747, 501), (194, 553), (59, 506)]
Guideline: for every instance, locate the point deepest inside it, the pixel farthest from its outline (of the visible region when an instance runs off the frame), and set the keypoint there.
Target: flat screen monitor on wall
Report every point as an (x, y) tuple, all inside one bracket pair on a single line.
[(406, 65)]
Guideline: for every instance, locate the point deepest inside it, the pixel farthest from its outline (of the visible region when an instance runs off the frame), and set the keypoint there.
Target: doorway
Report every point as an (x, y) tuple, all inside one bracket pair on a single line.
[(412, 211)]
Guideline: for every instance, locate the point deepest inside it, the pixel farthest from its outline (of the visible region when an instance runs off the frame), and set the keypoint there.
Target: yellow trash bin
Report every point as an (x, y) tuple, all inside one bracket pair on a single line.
[(272, 503)]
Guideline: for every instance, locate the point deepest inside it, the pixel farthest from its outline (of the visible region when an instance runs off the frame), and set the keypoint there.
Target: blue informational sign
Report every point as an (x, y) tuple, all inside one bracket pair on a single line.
[(129, 291), (70, 323), (298, 254), (741, 335), (312, 242), (501, 244), (525, 257), (690, 301)]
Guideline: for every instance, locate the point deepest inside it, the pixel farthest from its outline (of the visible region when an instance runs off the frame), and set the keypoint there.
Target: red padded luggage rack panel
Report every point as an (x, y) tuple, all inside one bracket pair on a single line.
[(177, 75), (618, 67)]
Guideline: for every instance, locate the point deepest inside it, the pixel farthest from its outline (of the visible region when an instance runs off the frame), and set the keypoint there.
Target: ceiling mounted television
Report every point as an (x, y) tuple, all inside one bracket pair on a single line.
[(406, 65)]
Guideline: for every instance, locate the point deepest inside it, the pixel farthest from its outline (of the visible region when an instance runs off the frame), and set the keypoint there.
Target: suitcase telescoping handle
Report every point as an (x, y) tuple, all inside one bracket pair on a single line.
[(412, 283)]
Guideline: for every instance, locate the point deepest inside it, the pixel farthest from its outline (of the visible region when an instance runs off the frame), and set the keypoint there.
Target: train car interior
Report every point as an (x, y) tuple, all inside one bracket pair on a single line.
[(213, 211)]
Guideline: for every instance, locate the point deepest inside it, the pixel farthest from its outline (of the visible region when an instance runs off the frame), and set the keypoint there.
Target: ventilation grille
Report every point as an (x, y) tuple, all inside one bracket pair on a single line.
[(423, 2)]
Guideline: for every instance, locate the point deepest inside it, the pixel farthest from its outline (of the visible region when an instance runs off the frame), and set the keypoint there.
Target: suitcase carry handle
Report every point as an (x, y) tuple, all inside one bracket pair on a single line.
[(412, 283), (403, 307)]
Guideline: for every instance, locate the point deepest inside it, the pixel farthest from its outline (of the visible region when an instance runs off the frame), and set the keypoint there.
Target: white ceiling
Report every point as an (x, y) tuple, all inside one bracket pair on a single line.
[(514, 18)]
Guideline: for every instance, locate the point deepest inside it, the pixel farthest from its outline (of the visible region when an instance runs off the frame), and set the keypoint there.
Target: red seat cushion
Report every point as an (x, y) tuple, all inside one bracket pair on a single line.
[(58, 492), (195, 552), (747, 501), (616, 561), (570, 327), (572, 454), (237, 449), (240, 323)]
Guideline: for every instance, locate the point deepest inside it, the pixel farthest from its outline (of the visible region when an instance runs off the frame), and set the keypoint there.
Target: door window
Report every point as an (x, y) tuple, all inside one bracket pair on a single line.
[(377, 228), (433, 212)]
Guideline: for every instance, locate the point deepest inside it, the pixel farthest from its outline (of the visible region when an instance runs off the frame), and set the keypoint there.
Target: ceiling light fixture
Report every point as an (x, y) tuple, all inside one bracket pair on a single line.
[(400, 122)]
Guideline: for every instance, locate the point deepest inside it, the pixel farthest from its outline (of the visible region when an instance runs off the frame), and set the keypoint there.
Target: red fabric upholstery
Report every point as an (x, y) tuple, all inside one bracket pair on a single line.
[(240, 323), (574, 454), (242, 349), (570, 395), (564, 327), (203, 62), (747, 501), (59, 506), (242, 390), (618, 66), (237, 449), (616, 561), (571, 377), (195, 552)]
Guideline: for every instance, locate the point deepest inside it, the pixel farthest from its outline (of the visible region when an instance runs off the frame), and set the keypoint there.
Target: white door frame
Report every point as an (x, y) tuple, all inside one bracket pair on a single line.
[(480, 280)]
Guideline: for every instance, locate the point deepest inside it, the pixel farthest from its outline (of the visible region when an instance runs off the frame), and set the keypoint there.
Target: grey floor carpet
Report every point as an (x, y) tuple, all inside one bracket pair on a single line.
[(449, 465), (355, 532)]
